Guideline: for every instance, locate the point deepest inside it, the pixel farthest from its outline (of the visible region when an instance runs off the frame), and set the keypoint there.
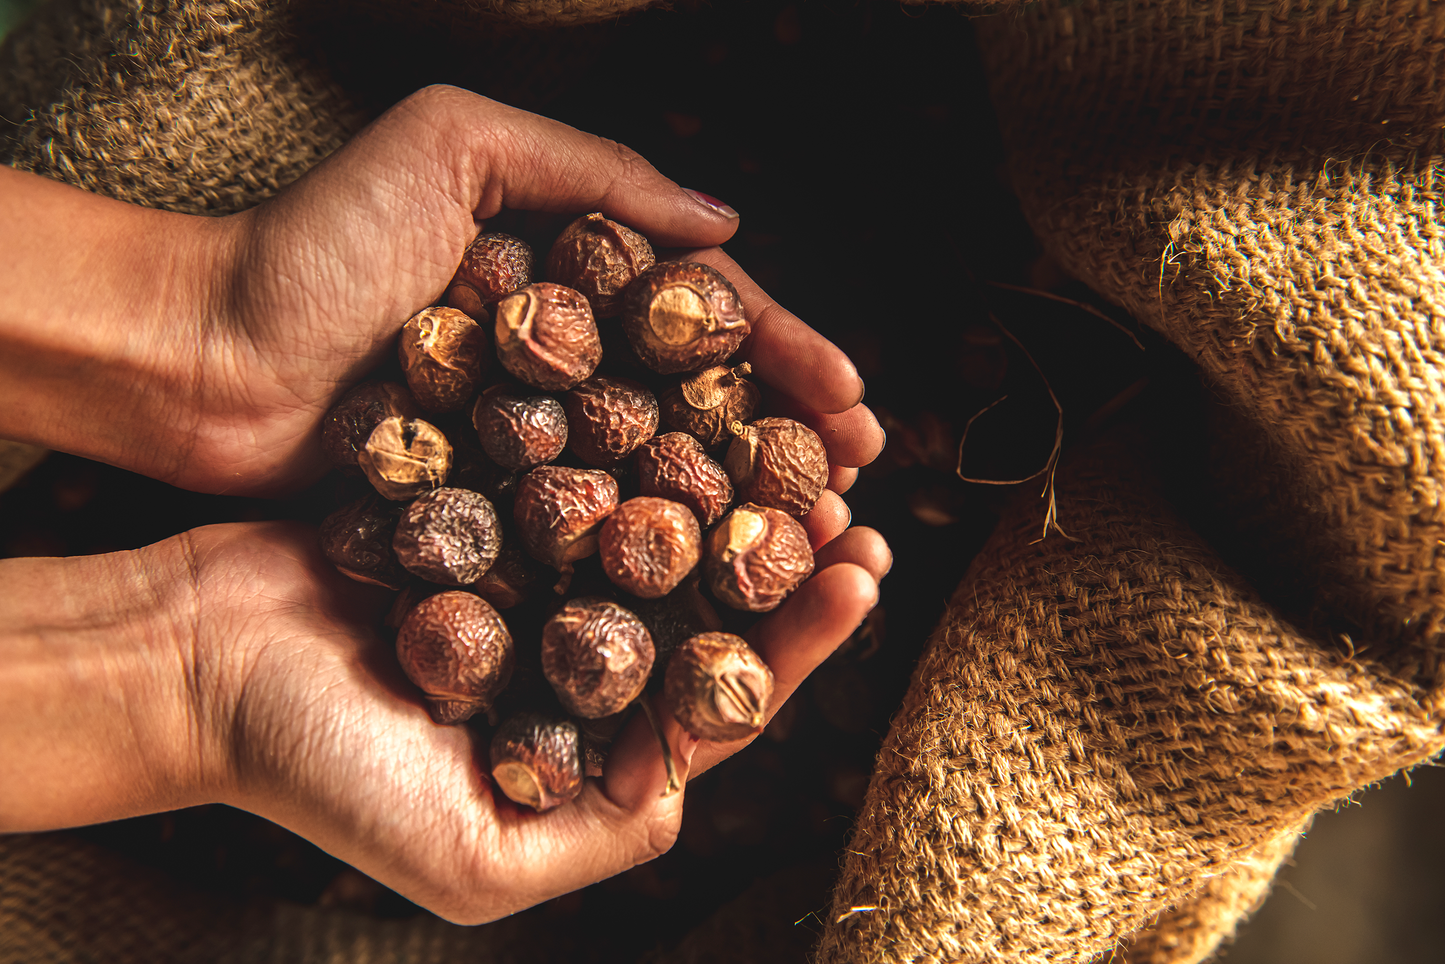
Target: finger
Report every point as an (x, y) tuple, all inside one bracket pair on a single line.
[(861, 546), (841, 478), (784, 352), (514, 159), (794, 640), (852, 438), (830, 516)]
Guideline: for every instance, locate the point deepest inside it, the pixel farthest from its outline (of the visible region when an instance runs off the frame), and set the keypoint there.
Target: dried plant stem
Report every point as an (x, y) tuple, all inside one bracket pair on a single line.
[(673, 783)]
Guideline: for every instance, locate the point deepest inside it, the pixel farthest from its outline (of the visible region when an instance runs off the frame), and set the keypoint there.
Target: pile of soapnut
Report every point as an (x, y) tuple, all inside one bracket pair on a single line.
[(469, 508)]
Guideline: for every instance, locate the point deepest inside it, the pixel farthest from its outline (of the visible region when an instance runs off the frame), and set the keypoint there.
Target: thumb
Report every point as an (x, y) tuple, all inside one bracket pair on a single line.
[(499, 157)]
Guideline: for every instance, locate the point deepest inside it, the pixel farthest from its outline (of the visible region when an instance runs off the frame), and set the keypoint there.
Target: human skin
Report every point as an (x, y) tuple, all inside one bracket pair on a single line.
[(231, 664)]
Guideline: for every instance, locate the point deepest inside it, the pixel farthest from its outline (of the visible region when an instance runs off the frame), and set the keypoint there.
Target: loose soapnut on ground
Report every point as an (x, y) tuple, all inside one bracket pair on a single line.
[(649, 545), (756, 557), (608, 418), (706, 404), (779, 463), (718, 688), (448, 536), (537, 760), (597, 656), (683, 316), (546, 336), (404, 457), (457, 650), (352, 419), (518, 431), (493, 266), (443, 353), (674, 466), (599, 258)]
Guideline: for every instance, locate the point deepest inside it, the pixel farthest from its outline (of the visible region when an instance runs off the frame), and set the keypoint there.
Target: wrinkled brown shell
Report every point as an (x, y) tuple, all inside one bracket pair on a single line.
[(546, 336), (682, 613), (405, 457), (357, 540), (718, 688), (537, 760), (649, 545), (779, 463), (599, 258), (457, 650), (608, 418), (707, 404), (350, 422), (493, 266), (510, 580), (442, 352), (596, 655), (755, 557), (674, 466), (518, 432), (449, 536), (559, 512), (682, 316)]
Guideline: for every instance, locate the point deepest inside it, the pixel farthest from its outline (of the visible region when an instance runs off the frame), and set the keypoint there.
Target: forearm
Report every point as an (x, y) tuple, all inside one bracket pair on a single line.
[(103, 308), (96, 689)]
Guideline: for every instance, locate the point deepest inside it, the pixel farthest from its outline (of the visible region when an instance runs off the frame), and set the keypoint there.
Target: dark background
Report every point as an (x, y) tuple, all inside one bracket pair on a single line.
[(857, 141)]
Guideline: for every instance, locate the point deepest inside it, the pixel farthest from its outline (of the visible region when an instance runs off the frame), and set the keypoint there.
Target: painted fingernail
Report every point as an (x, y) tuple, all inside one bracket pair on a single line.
[(712, 202)]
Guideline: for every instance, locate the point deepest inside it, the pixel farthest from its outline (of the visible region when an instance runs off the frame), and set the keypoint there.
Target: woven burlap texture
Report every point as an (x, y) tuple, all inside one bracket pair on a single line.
[(1098, 730), (1259, 182)]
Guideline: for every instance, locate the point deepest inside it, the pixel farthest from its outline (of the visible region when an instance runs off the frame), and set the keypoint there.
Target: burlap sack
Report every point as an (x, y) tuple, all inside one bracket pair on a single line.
[(1122, 729)]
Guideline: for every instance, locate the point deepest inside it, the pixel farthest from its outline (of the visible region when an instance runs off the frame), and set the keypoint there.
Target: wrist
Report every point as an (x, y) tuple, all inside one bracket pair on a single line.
[(100, 693), (108, 307)]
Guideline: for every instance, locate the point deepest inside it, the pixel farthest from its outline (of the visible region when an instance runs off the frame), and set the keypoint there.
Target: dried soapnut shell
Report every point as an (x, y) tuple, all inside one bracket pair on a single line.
[(608, 418), (596, 655), (519, 432), (649, 546), (718, 687), (779, 463), (509, 580), (706, 405), (493, 266), (351, 421), (683, 316), (674, 466), (442, 351), (537, 760), (449, 536), (405, 457), (357, 540), (756, 557), (599, 258), (559, 512), (546, 336), (457, 650)]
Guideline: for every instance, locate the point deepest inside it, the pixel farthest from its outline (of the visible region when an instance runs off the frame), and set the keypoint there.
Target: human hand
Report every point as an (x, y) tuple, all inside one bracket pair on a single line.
[(205, 352), (258, 679)]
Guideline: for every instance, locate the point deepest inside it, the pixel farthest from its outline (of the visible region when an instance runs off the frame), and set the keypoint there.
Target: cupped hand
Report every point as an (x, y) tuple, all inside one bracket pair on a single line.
[(310, 723), (319, 280)]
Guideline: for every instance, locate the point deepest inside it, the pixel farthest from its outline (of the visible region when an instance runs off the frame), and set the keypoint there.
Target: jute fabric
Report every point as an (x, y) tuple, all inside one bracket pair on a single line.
[(1124, 730), (1100, 730)]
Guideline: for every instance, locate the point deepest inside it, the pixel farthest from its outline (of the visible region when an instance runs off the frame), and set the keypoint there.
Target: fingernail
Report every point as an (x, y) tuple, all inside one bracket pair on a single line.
[(712, 202)]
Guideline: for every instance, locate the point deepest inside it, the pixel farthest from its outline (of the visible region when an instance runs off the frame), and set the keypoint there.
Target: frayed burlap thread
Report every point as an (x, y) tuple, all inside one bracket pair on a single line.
[(1098, 730)]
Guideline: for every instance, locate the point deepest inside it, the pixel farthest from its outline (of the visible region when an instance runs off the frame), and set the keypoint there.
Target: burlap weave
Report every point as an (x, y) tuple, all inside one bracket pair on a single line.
[(1120, 729), (1110, 743)]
